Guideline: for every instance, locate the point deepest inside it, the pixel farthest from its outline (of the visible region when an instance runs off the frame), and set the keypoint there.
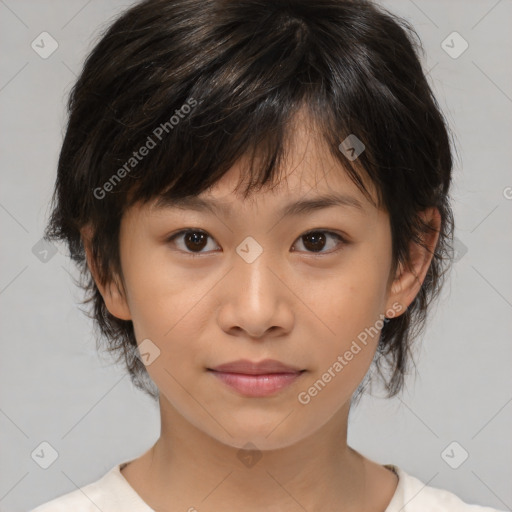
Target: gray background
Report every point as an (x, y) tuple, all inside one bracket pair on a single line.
[(56, 388)]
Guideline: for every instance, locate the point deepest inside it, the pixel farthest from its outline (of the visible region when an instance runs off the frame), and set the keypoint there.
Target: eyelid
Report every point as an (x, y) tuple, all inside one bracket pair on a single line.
[(343, 239)]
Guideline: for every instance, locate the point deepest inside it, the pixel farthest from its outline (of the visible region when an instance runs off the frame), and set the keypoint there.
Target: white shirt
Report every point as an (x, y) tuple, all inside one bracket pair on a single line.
[(113, 493)]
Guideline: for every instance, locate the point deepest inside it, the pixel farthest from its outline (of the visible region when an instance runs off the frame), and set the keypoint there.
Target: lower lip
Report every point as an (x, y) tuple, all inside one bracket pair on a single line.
[(257, 385)]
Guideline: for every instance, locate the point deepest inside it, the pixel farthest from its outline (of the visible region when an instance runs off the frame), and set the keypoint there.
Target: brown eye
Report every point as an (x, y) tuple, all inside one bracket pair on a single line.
[(195, 240), (192, 241), (316, 241)]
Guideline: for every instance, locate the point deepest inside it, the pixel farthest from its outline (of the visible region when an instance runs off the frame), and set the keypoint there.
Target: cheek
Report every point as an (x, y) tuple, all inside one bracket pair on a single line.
[(159, 292), (168, 308), (354, 300), (351, 304), (351, 309)]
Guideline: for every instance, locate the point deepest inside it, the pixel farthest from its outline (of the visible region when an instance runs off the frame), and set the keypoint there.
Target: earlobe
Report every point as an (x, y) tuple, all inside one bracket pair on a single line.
[(410, 276), (115, 299), (112, 292)]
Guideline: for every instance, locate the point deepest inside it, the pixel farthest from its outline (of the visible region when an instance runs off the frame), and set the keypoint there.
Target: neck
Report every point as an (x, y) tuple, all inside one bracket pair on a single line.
[(189, 467)]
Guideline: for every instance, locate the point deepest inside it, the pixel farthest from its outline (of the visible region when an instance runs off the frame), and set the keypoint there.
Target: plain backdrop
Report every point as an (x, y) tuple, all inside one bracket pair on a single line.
[(56, 389)]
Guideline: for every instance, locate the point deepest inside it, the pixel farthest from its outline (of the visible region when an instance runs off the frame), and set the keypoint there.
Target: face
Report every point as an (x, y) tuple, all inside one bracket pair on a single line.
[(254, 279)]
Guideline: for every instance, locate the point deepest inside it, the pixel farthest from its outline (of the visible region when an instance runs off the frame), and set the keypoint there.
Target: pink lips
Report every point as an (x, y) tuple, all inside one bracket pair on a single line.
[(256, 379)]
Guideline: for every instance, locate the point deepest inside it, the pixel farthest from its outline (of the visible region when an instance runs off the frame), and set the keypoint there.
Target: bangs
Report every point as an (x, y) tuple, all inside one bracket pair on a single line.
[(198, 162)]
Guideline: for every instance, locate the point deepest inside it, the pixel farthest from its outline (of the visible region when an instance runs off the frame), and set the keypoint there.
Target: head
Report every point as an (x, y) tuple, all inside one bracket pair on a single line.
[(257, 105)]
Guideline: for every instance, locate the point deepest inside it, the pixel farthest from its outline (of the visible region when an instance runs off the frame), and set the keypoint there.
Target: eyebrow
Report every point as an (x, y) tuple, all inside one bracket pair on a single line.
[(300, 207)]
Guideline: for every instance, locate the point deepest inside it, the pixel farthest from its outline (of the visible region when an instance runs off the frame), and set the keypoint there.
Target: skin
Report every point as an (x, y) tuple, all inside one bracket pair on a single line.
[(298, 306)]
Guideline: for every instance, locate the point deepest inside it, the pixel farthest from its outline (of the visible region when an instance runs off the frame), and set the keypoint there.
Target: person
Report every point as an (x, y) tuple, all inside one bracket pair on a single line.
[(257, 195)]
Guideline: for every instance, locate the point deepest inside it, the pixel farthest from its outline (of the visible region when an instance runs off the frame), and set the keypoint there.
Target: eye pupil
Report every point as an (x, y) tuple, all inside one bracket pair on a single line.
[(315, 237), (198, 240)]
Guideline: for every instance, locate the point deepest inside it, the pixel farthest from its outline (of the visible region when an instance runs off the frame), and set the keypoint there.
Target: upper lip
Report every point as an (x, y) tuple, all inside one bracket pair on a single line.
[(264, 367)]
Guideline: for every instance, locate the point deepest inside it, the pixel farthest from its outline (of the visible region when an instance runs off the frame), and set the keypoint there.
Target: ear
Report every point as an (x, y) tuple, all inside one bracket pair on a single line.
[(112, 292), (409, 278)]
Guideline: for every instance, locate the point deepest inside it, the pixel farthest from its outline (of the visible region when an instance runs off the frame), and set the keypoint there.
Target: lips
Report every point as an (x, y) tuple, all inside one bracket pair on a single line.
[(265, 367), (261, 379)]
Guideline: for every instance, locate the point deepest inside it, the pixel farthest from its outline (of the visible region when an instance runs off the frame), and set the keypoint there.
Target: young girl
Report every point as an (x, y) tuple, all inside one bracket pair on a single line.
[(257, 194)]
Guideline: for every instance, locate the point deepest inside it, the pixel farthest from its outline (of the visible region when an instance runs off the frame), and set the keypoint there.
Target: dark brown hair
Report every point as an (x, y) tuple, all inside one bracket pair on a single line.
[(203, 83)]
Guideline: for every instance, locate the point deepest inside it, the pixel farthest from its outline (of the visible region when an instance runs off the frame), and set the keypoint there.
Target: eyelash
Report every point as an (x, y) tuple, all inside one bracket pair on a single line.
[(341, 239)]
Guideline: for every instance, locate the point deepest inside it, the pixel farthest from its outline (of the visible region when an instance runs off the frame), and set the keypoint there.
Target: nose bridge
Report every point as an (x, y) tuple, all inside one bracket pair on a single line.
[(254, 280), (253, 299)]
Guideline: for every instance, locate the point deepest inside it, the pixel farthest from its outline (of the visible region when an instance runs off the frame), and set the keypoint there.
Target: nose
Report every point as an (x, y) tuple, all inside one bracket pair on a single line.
[(255, 302)]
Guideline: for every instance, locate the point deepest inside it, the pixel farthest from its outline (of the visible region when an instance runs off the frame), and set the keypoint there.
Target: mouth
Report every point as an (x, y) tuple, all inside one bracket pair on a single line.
[(265, 367), (257, 383)]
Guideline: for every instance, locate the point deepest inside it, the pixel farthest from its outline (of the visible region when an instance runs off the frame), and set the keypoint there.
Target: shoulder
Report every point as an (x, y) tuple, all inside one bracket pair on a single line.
[(74, 500), (412, 495), (109, 494)]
